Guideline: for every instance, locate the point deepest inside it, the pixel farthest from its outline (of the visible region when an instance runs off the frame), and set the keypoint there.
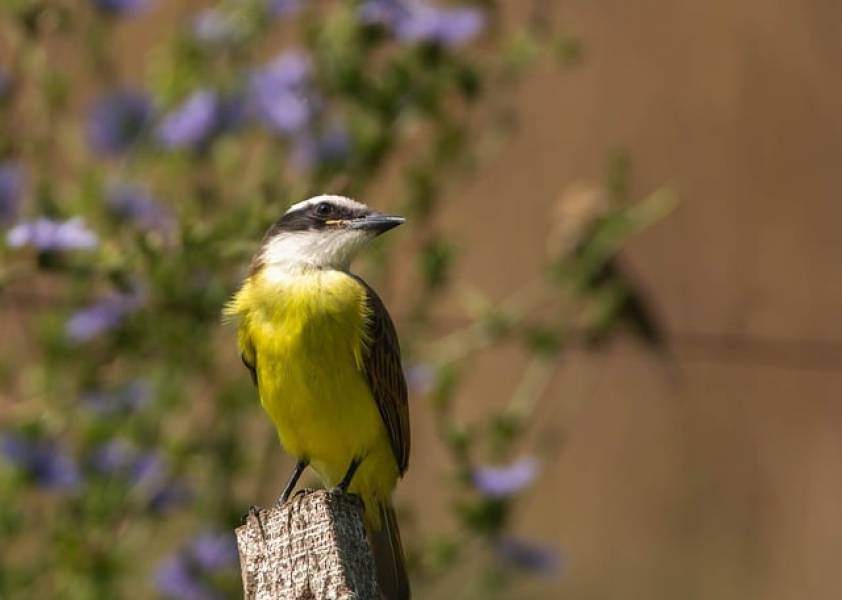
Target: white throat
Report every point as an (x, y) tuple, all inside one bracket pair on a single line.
[(297, 252)]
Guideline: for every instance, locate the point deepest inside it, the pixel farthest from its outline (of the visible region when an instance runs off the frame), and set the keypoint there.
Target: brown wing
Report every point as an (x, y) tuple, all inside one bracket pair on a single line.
[(383, 368)]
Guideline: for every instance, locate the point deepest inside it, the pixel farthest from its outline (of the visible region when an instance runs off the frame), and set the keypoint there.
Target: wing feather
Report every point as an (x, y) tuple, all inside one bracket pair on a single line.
[(384, 371)]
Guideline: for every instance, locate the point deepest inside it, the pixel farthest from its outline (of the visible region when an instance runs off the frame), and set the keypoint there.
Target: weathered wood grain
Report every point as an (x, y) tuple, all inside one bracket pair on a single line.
[(313, 547)]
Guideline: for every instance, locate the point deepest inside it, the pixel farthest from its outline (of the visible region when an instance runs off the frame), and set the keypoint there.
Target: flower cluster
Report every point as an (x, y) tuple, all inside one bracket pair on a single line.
[(118, 121), (184, 575), (44, 462), (102, 316), (129, 222), (503, 482), (135, 204), (124, 399), (201, 117), (120, 7), (418, 21), (11, 189), (144, 472), (47, 235)]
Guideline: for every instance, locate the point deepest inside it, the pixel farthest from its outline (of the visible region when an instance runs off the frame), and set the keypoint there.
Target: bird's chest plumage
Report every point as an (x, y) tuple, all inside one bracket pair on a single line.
[(308, 335)]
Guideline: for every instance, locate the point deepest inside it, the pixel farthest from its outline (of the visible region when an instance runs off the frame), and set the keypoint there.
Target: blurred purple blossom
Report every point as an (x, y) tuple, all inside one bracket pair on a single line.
[(330, 147), (213, 550), (167, 496), (128, 398), (120, 7), (182, 576), (284, 8), (149, 469), (415, 21), (199, 119), (192, 122), (102, 316), (144, 470), (44, 462), (213, 27), (528, 556), (118, 457), (47, 235), (502, 482), (280, 93), (420, 378), (176, 578), (159, 487), (179, 579), (11, 189), (135, 203), (114, 458), (7, 84), (117, 121)]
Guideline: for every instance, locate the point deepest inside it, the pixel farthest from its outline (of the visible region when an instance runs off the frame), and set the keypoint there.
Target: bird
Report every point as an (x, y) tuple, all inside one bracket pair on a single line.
[(324, 354)]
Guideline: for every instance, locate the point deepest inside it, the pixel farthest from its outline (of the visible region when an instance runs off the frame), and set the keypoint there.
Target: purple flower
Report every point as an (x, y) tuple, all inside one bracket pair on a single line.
[(47, 235), (192, 123), (280, 93), (7, 85), (213, 551), (176, 578), (502, 482), (284, 8), (120, 458), (528, 556), (149, 469), (162, 491), (136, 204), (102, 316), (168, 496), (420, 378), (199, 119), (114, 458), (43, 462), (117, 121), (144, 471), (331, 147), (120, 7), (125, 399), (184, 575), (417, 21), (212, 27), (11, 188)]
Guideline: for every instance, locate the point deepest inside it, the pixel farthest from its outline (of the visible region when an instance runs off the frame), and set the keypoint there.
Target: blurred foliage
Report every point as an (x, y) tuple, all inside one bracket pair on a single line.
[(129, 211)]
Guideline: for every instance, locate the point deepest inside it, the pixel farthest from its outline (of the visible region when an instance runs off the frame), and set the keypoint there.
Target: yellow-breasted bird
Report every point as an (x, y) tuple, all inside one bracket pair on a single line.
[(324, 355)]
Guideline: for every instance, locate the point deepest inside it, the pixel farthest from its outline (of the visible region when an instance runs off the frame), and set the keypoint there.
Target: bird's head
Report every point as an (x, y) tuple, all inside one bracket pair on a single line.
[(324, 232)]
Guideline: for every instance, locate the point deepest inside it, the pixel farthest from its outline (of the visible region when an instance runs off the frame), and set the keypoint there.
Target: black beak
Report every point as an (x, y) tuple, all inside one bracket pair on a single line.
[(376, 223)]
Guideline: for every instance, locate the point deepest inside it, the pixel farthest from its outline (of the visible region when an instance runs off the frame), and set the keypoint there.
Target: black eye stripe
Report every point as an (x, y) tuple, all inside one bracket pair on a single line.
[(311, 217)]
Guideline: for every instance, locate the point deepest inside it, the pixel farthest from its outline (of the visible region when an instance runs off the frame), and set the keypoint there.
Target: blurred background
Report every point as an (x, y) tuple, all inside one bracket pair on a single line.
[(618, 292)]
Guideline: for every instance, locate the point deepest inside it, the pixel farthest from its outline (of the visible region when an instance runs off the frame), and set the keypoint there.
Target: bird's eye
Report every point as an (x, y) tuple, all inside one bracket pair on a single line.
[(323, 209)]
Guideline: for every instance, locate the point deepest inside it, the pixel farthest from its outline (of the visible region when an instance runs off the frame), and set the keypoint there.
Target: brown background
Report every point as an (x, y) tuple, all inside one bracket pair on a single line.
[(728, 482)]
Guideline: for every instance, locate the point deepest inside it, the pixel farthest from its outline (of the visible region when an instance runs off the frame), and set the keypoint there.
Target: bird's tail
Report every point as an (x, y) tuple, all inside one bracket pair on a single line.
[(388, 555)]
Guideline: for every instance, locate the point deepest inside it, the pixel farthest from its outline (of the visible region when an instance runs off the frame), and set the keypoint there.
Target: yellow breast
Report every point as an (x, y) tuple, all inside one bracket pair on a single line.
[(307, 334)]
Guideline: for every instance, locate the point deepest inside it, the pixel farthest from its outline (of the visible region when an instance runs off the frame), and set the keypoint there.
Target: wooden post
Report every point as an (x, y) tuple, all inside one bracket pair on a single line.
[(311, 548)]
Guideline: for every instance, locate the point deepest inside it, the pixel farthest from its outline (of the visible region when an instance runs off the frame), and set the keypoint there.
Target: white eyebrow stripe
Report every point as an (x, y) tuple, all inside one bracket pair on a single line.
[(338, 200)]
